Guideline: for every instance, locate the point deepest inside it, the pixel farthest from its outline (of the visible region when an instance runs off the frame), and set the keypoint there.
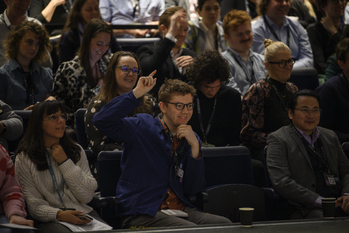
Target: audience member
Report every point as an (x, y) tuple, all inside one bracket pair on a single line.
[(325, 35), (306, 162), (23, 82), (53, 171), (118, 12), (71, 38), (249, 6), (79, 80), (206, 33), (161, 160), (217, 114), (304, 10), (50, 12), (246, 66), (12, 201), (273, 24), (11, 125), (121, 77), (167, 56), (334, 96), (265, 104)]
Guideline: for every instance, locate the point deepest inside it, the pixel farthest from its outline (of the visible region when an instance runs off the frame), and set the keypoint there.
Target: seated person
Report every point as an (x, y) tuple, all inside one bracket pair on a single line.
[(265, 104), (79, 80), (11, 125), (304, 10), (244, 5), (167, 56), (306, 162), (246, 66), (53, 171), (23, 82), (12, 202), (50, 12), (334, 95), (325, 35), (273, 24), (217, 113), (121, 77), (161, 160), (14, 14), (206, 33), (118, 12), (80, 15)]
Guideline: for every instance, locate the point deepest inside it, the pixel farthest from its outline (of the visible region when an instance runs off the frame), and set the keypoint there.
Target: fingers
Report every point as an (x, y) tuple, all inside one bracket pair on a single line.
[(152, 73), (184, 61)]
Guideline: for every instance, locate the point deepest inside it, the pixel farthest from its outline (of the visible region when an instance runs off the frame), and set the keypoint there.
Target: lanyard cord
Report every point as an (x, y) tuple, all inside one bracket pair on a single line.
[(278, 95), (205, 133), (273, 32), (245, 71)]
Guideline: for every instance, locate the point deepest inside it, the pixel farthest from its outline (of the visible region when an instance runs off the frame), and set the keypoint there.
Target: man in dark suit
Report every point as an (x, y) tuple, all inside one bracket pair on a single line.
[(306, 163), (167, 56)]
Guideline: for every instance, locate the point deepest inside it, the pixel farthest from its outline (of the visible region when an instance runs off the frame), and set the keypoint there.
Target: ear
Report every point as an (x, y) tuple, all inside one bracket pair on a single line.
[(341, 64), (199, 12), (162, 107), (290, 114), (267, 64), (162, 29), (226, 37)]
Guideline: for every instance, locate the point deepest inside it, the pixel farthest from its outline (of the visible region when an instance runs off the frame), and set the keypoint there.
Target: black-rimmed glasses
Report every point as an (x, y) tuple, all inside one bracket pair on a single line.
[(180, 106), (335, 2), (127, 70), (54, 117), (283, 63), (306, 111)]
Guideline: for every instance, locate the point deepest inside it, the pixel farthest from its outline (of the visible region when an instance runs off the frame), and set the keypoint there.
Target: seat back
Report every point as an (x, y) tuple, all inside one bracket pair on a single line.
[(225, 200), (345, 147), (80, 127), (227, 165), (25, 115), (109, 171), (305, 78), (133, 44)]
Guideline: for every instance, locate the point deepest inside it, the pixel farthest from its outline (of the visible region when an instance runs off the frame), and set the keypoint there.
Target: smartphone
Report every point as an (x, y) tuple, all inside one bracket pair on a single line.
[(84, 217)]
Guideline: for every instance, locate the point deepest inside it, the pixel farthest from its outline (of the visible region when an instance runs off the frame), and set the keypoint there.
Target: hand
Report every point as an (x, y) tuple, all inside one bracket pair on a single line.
[(175, 21), (58, 154), (144, 85), (328, 25), (187, 132), (139, 33), (184, 61), (15, 219), (343, 202), (70, 216), (30, 107)]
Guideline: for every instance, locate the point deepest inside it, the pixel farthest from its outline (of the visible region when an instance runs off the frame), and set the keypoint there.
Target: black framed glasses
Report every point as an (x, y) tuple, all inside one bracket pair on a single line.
[(283, 63), (54, 117), (127, 70), (307, 111), (337, 1), (208, 87), (180, 106)]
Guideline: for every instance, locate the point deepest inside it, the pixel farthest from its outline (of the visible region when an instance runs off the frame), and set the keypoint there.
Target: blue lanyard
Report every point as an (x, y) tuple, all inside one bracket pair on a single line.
[(54, 179)]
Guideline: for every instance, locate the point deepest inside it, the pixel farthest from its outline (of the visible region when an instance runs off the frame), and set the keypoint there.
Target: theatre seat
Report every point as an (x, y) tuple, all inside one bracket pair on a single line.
[(80, 127), (133, 44), (25, 115), (305, 78)]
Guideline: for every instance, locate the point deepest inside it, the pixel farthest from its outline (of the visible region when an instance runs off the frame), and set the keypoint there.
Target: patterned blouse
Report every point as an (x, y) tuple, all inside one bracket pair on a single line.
[(72, 88)]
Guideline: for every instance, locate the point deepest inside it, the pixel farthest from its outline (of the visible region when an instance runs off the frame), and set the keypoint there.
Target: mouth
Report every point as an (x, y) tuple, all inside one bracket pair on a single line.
[(99, 53)]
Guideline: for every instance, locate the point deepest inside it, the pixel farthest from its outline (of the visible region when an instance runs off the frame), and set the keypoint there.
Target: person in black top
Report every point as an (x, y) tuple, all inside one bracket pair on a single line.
[(217, 114)]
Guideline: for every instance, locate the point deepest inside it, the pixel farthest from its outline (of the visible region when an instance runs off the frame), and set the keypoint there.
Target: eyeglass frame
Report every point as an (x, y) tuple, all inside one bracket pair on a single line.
[(184, 105), (64, 116), (307, 111), (283, 61), (207, 87), (337, 1), (129, 69)]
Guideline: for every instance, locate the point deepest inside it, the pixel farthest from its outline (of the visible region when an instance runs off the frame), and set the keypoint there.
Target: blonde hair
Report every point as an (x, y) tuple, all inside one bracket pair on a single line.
[(272, 47)]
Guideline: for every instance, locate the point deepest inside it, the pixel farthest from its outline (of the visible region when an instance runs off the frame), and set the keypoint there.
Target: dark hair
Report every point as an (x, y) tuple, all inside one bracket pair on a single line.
[(33, 142), (342, 49), (94, 27), (320, 4), (14, 37), (202, 2), (174, 86), (303, 92), (165, 17), (109, 88), (208, 67)]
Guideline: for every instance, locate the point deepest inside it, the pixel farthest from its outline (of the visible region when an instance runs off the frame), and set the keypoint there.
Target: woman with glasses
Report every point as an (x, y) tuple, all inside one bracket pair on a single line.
[(265, 104), (53, 171), (79, 80), (23, 81), (121, 77)]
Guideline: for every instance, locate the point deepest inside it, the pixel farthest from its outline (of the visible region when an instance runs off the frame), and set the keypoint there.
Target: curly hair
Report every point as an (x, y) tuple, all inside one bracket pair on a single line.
[(208, 67), (272, 47), (174, 87), (234, 19), (109, 88), (34, 147), (14, 37)]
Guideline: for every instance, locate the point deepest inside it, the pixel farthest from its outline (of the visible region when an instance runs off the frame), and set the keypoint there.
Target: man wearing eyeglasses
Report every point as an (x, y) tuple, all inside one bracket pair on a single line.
[(306, 163), (161, 159), (324, 35)]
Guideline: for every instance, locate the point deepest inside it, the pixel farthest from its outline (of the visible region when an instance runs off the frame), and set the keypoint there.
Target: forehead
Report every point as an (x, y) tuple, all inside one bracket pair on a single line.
[(241, 28), (307, 101), (178, 98), (30, 35), (126, 60), (211, 3), (90, 3), (282, 54)]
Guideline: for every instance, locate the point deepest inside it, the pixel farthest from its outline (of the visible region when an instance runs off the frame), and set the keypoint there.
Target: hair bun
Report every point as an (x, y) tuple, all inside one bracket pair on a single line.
[(267, 42)]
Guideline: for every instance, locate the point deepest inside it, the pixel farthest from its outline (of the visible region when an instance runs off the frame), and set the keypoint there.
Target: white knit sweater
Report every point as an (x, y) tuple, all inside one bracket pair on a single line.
[(40, 193)]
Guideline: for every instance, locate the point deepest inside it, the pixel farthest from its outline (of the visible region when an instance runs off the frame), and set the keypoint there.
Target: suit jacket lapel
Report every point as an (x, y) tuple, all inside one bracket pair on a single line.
[(300, 145)]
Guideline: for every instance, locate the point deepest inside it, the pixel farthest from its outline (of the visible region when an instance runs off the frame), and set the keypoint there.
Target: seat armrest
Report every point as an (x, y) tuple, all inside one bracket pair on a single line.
[(102, 202), (271, 193)]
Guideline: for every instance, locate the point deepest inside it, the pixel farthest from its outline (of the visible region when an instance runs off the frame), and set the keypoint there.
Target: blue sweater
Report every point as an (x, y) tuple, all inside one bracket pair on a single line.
[(147, 167)]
